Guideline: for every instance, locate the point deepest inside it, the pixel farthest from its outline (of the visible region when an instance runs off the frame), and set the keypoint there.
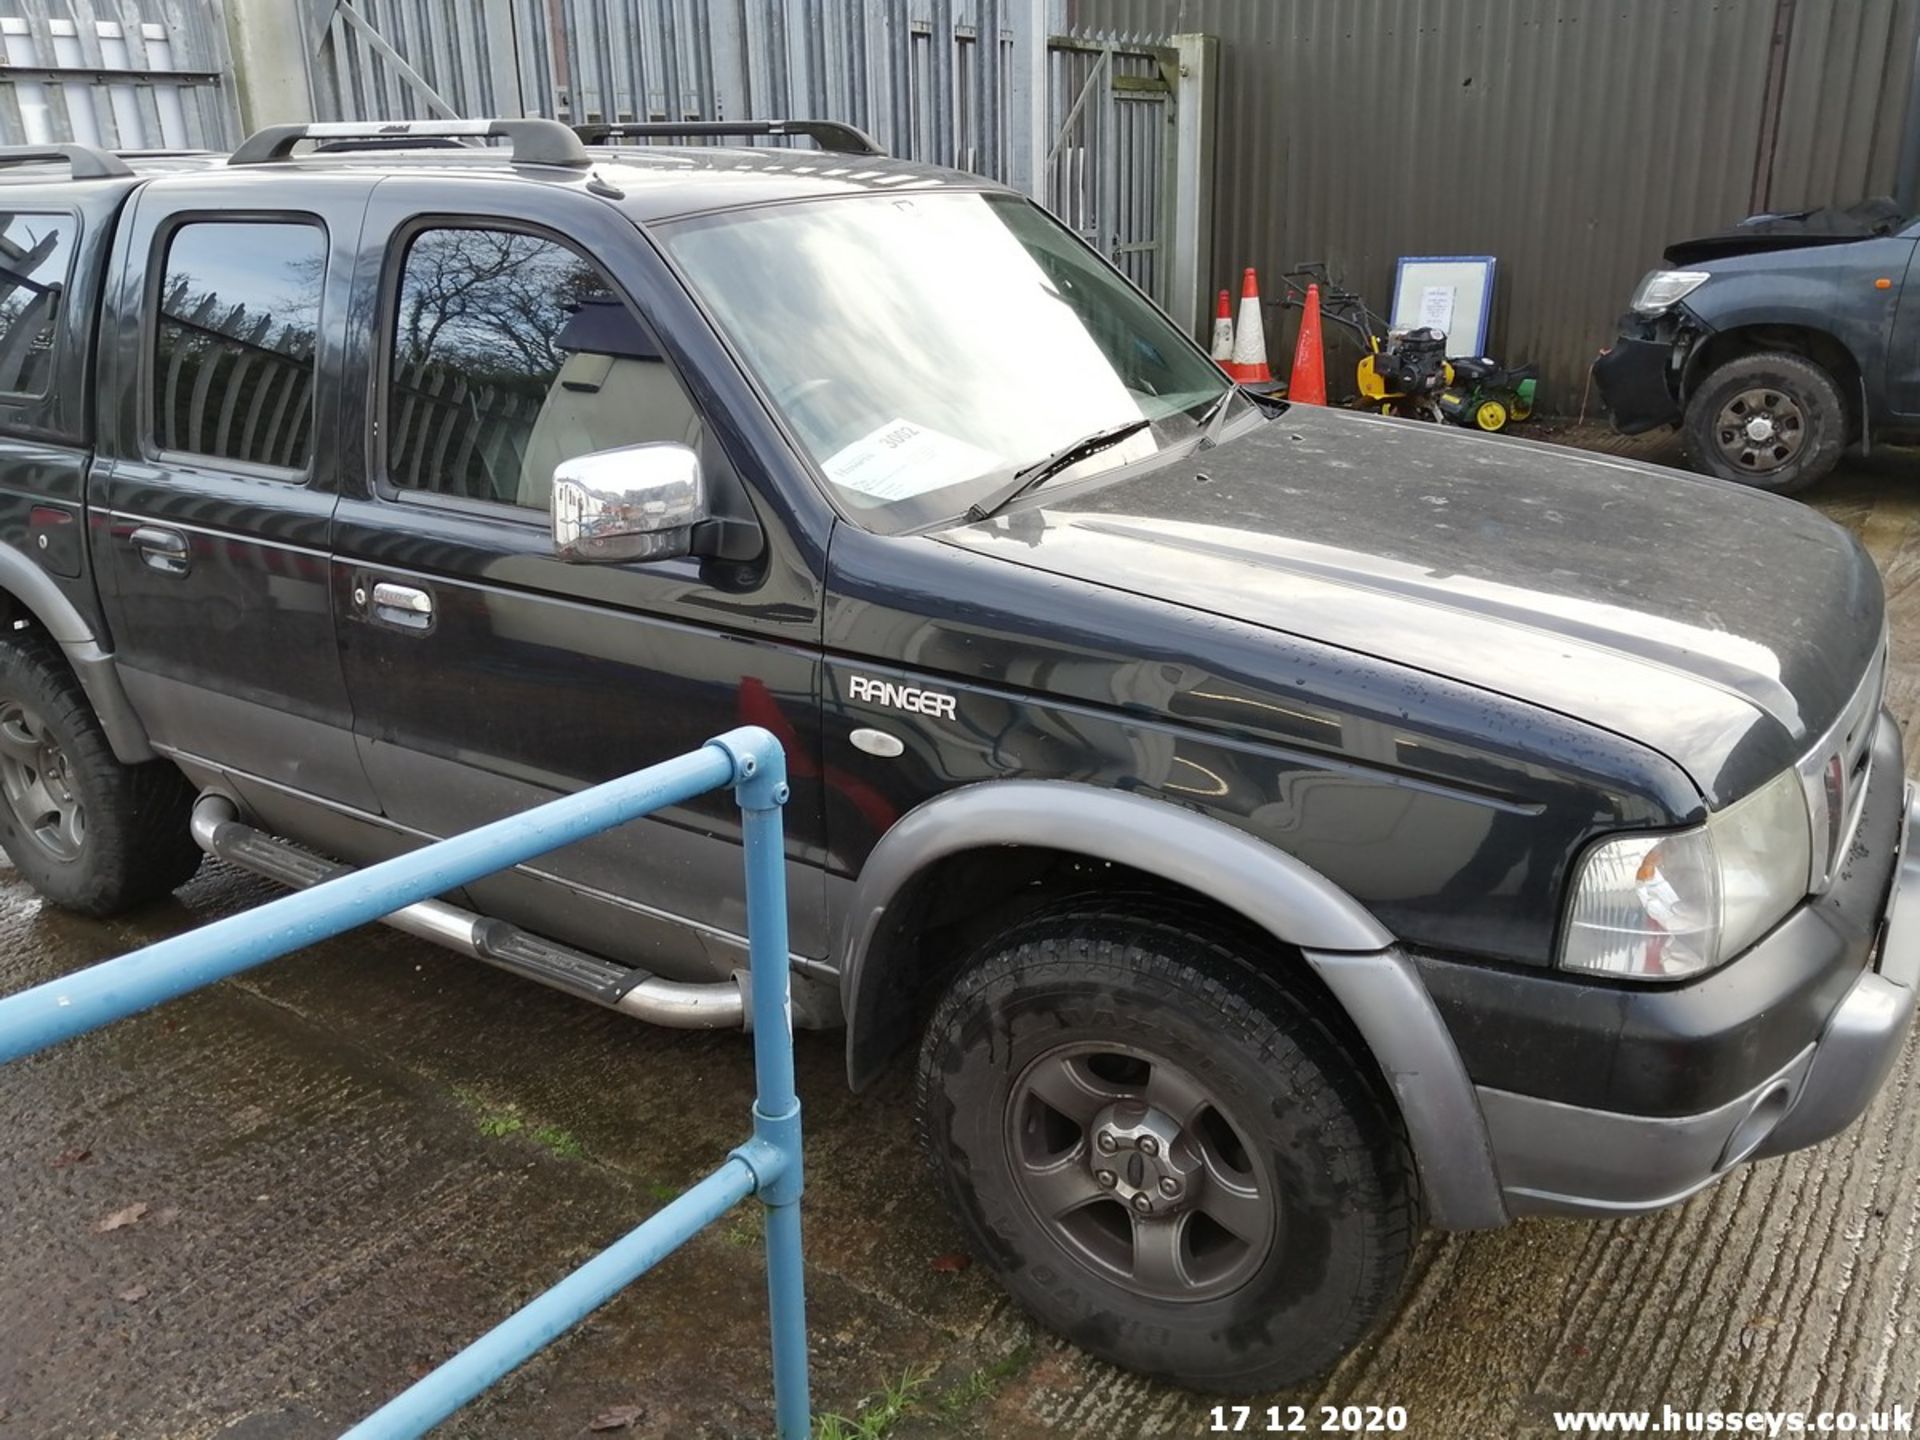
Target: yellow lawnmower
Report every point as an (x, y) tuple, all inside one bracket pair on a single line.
[(1407, 372)]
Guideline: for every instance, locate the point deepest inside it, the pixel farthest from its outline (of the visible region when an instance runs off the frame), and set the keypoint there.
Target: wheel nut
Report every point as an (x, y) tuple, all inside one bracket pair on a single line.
[(1170, 1187), (1143, 1203), (1106, 1143), (1149, 1145), (1106, 1178)]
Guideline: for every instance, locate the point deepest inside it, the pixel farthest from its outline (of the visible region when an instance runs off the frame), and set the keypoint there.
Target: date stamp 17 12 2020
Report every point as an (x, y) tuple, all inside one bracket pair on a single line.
[(1308, 1420)]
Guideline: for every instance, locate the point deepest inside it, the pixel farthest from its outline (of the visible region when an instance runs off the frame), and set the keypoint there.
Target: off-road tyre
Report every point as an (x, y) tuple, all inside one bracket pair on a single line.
[(1314, 1125), (133, 844), (1796, 399)]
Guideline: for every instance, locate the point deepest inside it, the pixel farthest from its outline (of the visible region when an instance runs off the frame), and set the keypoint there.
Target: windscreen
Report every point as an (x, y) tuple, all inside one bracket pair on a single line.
[(926, 347)]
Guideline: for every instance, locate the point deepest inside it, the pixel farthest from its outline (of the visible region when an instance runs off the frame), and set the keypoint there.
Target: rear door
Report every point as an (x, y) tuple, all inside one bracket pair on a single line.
[(221, 361), (52, 256), (487, 675)]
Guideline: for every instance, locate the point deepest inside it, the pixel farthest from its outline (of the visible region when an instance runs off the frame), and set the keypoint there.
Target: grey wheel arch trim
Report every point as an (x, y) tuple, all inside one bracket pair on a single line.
[(1346, 945), (1383, 996), (93, 665)]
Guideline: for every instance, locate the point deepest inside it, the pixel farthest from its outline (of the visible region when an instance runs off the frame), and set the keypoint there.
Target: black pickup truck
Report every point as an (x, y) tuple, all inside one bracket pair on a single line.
[(1275, 829)]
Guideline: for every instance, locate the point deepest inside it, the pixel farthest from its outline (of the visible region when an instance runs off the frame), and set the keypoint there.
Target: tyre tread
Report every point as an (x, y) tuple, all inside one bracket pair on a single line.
[(146, 847), (1828, 419), (1168, 948)]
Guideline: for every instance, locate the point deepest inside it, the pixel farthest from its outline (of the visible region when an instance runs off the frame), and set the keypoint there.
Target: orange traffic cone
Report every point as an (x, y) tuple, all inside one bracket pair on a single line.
[(1223, 336), (1249, 363), (1307, 384)]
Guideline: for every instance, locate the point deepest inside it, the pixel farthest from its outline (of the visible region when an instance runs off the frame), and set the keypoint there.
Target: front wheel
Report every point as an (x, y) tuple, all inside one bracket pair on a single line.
[(1773, 421), (1165, 1155)]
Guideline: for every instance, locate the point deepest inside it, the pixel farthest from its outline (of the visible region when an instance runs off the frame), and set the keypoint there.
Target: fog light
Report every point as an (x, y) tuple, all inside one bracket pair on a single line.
[(1767, 1112)]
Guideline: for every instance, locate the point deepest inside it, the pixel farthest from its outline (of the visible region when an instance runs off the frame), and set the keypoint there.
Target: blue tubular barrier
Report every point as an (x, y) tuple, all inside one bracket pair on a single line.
[(767, 1165)]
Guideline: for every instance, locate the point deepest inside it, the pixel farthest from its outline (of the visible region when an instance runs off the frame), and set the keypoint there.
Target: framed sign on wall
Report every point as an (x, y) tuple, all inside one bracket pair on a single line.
[(1449, 293)]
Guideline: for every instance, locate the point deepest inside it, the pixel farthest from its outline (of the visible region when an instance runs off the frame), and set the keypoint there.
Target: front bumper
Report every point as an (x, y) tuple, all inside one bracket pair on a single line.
[(1639, 375), (1555, 1158), (1863, 1040), (1635, 386)]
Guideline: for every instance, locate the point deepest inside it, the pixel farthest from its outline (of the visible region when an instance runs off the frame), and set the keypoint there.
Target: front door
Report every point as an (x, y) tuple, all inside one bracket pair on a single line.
[(1903, 334), (218, 463), (486, 674)]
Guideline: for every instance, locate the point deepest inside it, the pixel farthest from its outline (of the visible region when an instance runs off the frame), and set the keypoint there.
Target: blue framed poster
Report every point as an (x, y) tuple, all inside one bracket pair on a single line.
[(1450, 293)]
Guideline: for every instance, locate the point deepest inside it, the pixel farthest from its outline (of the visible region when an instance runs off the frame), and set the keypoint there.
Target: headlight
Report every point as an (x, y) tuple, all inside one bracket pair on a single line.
[(1663, 288), (1674, 905)]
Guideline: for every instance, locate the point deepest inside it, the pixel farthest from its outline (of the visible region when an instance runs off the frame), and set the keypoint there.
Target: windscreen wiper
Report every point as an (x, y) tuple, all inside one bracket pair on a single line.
[(1041, 471), (1211, 423)]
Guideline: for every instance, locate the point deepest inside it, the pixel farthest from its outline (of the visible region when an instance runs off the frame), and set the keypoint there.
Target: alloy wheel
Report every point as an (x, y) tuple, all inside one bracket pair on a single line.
[(37, 781), (1139, 1172)]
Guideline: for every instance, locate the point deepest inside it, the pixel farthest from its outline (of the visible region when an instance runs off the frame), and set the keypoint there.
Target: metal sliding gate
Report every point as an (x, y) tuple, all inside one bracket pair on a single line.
[(768, 1165), (1110, 160)]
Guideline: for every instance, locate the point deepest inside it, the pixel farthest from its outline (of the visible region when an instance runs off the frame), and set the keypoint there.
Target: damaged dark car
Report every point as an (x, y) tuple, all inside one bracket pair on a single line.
[(1775, 345)]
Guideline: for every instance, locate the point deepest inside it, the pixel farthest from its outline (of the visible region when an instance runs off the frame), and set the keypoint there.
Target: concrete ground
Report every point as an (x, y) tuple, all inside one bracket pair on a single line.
[(261, 1211)]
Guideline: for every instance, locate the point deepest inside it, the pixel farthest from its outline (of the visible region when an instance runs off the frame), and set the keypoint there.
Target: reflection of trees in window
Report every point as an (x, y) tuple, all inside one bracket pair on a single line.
[(474, 356), (233, 371), (33, 270)]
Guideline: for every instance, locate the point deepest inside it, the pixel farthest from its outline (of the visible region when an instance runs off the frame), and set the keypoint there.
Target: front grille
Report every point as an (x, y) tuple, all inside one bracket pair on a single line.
[(1834, 772)]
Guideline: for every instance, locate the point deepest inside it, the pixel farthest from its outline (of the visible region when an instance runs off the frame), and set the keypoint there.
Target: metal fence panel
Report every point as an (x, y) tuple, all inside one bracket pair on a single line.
[(909, 72), (1573, 139), (932, 80), (119, 73)]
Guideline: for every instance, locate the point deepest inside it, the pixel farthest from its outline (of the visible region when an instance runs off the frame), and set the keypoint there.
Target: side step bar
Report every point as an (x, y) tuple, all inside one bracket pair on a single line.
[(640, 993)]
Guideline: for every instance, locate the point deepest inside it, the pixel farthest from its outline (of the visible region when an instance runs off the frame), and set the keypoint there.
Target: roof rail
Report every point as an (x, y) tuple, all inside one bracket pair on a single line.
[(389, 142), (827, 134), (535, 141), (87, 162)]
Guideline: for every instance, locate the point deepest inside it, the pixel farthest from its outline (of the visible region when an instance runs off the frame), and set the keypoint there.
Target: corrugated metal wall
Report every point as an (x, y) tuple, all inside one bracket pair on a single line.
[(1843, 101), (1571, 138)]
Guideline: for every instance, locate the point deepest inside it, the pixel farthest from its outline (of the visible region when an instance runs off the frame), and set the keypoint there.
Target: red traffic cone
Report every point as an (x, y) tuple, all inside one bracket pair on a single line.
[(1223, 336), (1249, 363), (1307, 384)]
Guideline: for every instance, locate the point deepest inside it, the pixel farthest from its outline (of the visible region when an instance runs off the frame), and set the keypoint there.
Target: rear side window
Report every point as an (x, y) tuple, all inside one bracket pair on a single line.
[(36, 261), (239, 311), (510, 356)]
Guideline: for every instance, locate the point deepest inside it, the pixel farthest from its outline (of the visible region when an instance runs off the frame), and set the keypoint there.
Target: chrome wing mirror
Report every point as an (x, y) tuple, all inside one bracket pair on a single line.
[(640, 502)]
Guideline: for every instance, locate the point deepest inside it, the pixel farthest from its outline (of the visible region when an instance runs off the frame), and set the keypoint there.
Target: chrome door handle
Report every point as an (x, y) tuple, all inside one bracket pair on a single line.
[(162, 549), (407, 606)]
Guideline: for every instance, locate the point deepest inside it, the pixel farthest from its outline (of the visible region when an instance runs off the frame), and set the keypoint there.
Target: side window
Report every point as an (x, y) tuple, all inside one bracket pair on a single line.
[(510, 355), (239, 311), (36, 258)]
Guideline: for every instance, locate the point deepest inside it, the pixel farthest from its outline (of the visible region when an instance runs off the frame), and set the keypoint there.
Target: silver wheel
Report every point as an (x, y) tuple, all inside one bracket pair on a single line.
[(1138, 1171), (37, 779), (1760, 430)]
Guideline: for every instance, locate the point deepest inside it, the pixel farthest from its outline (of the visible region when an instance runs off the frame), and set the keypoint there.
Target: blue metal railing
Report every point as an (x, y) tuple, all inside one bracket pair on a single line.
[(768, 1165)]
